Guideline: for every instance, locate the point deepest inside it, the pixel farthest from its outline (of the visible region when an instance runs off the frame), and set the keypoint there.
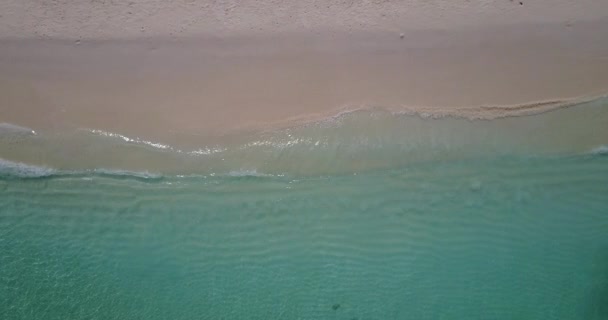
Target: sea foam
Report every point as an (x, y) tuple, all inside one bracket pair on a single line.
[(22, 170), (13, 169), (601, 150), (11, 129)]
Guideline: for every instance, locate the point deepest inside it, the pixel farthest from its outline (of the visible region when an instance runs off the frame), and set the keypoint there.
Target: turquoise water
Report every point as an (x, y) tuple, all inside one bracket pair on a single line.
[(459, 233)]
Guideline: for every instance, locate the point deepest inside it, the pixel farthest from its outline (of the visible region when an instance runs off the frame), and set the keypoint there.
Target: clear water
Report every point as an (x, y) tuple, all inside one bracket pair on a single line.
[(473, 234)]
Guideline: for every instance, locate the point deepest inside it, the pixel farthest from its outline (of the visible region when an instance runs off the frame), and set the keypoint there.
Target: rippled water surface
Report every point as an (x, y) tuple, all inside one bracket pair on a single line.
[(497, 238)]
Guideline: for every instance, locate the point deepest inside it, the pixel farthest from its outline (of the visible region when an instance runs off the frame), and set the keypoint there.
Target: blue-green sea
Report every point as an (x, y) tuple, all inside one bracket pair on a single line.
[(370, 216)]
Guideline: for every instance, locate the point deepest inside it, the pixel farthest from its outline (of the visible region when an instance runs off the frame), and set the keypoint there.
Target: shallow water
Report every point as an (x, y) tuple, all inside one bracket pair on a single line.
[(504, 228), (350, 142)]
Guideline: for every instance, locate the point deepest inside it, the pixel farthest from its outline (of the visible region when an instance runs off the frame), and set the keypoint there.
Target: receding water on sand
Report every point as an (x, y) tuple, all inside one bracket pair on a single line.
[(355, 141)]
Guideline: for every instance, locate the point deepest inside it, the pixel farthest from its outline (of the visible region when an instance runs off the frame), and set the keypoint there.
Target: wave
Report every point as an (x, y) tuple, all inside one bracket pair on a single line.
[(12, 169), (480, 112), (122, 173), (12, 133), (131, 140), (12, 129), (347, 142), (17, 170), (22, 170), (155, 145), (250, 173), (601, 150), (488, 112)]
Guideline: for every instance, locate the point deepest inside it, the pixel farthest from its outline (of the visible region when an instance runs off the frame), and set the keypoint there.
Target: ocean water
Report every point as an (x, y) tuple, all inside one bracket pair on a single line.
[(364, 216)]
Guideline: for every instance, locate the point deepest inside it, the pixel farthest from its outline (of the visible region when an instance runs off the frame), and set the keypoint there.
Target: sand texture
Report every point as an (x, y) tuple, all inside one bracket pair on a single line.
[(152, 67), (110, 19)]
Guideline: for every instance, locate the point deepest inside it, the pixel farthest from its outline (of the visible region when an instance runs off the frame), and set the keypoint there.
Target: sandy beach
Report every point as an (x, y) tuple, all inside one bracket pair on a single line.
[(290, 159), (150, 68)]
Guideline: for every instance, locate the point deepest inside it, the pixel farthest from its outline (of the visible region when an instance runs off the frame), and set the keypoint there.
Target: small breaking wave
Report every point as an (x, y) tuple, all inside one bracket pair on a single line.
[(12, 169), (132, 140), (348, 142), (12, 133), (250, 173), (156, 145), (13, 129), (601, 150), (22, 170), (19, 170), (123, 173)]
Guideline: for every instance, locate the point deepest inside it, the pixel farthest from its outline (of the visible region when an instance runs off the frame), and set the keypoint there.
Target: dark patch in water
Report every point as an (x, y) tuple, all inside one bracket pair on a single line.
[(598, 299), (335, 306)]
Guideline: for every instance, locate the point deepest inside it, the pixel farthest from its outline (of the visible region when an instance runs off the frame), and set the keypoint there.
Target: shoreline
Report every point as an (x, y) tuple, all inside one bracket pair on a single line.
[(357, 141)]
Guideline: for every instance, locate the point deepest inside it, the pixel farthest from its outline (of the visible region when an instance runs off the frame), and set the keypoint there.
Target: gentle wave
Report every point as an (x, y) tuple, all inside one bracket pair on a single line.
[(155, 145), (480, 112), (489, 112), (250, 173), (348, 142), (18, 170), (22, 170), (12, 169), (13, 128), (128, 139), (339, 119), (601, 150), (123, 173), (483, 112)]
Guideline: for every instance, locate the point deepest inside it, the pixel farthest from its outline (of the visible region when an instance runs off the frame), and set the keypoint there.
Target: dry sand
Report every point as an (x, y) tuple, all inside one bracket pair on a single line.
[(147, 68), (111, 19)]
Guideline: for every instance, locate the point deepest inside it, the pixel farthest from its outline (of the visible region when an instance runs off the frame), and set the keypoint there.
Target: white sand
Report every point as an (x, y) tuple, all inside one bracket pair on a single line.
[(111, 19), (145, 68)]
